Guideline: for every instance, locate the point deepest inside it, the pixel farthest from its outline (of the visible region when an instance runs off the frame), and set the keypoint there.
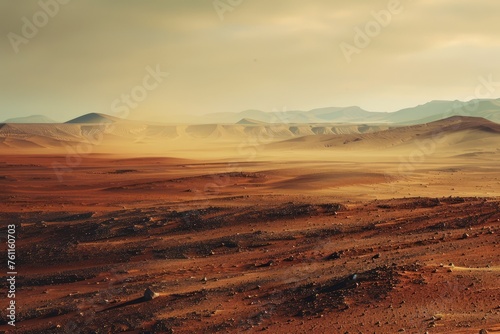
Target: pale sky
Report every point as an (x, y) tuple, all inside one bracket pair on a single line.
[(264, 54)]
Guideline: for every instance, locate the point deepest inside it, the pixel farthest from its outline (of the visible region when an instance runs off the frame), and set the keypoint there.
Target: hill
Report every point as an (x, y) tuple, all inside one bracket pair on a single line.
[(94, 118), (455, 135), (30, 119), (249, 121)]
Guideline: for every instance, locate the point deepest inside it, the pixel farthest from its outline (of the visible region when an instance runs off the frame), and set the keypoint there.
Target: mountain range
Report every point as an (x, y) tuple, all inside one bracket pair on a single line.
[(432, 111), (343, 129), (30, 119)]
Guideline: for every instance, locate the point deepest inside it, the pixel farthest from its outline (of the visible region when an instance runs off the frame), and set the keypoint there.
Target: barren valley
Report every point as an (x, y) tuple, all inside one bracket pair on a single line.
[(318, 234)]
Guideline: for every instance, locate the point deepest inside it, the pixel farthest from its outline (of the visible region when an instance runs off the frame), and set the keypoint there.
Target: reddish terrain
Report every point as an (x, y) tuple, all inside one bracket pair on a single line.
[(251, 247)]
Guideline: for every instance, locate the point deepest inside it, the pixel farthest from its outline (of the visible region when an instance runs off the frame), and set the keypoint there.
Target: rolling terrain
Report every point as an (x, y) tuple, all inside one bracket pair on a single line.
[(98, 133), (134, 227), (108, 134), (235, 247), (453, 136)]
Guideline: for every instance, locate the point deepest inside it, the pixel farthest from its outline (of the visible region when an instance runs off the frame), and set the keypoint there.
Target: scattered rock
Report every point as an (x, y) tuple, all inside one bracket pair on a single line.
[(150, 294), (335, 255), (267, 264), (41, 224)]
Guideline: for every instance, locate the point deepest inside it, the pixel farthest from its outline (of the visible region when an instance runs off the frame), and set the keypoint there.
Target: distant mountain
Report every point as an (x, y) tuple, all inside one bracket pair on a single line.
[(432, 111), (94, 118), (428, 112), (247, 121), (30, 119), (436, 110), (232, 117), (347, 115)]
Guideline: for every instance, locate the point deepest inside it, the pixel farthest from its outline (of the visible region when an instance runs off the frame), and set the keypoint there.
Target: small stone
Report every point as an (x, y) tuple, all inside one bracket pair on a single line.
[(41, 224), (483, 331), (150, 294)]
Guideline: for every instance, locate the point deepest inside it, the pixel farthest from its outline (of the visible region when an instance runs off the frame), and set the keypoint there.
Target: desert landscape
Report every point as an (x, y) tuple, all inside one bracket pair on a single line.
[(250, 166), (361, 229)]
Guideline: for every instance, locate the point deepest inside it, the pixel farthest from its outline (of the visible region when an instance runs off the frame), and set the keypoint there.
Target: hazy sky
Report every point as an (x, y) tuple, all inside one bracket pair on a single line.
[(250, 54)]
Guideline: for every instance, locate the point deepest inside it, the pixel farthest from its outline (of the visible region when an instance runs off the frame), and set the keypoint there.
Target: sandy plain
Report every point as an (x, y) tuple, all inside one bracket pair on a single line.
[(313, 239)]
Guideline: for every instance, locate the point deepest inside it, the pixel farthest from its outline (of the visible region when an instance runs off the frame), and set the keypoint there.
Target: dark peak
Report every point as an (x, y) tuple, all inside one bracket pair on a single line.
[(94, 118)]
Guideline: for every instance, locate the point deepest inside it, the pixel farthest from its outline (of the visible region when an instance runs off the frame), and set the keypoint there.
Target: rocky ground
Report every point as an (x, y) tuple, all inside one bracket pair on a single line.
[(240, 258)]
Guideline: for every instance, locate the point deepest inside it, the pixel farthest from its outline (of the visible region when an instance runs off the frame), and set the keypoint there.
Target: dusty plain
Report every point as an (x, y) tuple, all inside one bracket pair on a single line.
[(331, 235)]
